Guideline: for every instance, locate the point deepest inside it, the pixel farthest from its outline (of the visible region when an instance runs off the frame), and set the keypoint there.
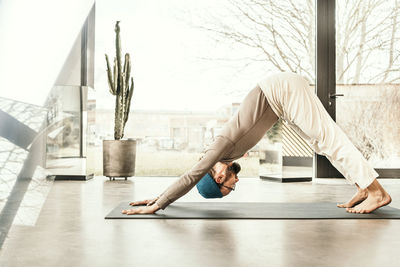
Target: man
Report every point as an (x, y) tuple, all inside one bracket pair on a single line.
[(287, 96)]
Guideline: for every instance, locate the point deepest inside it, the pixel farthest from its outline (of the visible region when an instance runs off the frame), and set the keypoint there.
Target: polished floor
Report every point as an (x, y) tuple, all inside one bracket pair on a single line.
[(71, 231)]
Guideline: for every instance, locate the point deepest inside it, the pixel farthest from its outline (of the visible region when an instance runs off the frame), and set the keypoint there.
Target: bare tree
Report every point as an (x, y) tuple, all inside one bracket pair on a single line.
[(282, 36), (366, 34)]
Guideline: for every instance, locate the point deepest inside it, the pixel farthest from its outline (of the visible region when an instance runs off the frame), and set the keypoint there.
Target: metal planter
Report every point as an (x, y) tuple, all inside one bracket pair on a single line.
[(119, 158)]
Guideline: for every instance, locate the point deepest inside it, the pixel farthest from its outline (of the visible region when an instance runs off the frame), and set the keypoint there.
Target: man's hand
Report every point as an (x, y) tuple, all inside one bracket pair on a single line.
[(147, 202), (142, 210), (150, 208)]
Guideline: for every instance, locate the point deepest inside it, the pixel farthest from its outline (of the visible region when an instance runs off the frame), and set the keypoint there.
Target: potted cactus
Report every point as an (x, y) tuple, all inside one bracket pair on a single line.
[(119, 155)]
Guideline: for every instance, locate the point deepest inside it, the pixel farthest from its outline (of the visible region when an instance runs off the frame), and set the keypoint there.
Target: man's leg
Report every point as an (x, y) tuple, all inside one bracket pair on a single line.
[(308, 117)]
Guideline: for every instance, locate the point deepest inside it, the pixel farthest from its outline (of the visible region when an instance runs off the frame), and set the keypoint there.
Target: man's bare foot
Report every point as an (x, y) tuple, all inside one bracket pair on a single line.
[(359, 197), (377, 197)]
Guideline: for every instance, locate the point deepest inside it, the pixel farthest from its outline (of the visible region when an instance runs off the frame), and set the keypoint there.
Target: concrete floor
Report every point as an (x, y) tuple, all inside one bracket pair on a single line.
[(71, 230)]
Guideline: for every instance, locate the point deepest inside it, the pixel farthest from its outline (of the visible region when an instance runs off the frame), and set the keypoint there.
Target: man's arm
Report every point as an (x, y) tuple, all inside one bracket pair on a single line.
[(220, 149)]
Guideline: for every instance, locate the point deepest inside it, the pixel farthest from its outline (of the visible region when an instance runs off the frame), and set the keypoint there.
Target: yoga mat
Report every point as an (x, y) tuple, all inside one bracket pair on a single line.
[(253, 210)]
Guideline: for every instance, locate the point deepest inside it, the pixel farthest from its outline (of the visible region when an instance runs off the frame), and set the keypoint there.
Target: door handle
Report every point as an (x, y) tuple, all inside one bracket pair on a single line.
[(334, 95)]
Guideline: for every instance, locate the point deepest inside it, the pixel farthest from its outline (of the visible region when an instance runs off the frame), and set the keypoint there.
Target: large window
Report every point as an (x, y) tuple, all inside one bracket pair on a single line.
[(368, 75), (193, 63)]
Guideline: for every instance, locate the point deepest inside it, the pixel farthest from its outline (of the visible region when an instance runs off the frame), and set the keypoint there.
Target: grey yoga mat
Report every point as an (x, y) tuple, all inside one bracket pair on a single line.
[(254, 210)]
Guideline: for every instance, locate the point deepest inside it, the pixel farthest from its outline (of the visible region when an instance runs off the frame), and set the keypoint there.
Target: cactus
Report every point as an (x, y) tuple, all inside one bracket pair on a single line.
[(118, 81)]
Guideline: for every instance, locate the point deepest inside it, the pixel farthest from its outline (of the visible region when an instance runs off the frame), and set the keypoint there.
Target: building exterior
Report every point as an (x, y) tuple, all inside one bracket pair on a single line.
[(167, 130)]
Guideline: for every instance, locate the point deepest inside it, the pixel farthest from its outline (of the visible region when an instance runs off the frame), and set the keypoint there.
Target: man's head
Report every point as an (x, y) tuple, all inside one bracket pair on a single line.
[(220, 180)]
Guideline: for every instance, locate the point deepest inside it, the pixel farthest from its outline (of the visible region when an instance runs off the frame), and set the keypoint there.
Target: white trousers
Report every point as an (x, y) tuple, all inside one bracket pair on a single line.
[(292, 99)]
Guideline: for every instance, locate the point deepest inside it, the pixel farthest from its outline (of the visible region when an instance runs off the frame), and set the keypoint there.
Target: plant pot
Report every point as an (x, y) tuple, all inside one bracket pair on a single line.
[(119, 158)]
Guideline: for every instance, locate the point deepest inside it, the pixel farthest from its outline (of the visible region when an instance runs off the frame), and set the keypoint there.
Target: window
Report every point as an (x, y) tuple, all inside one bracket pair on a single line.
[(193, 63), (368, 75)]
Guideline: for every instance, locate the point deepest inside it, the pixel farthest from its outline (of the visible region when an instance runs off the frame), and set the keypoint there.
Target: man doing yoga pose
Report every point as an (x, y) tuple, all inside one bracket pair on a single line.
[(287, 96)]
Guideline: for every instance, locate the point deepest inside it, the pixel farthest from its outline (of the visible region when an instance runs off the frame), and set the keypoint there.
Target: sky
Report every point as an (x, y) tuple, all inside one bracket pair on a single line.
[(167, 56)]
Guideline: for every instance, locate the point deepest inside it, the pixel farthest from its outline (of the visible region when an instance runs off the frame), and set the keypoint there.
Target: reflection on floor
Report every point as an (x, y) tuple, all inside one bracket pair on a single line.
[(34, 199), (23, 190), (71, 230)]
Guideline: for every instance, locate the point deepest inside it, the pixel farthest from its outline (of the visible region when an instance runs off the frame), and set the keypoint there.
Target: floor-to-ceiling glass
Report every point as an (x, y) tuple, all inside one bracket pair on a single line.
[(368, 76), (193, 62)]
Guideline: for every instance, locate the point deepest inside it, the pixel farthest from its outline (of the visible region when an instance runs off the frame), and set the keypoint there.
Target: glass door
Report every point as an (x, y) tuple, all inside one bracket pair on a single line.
[(368, 80)]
